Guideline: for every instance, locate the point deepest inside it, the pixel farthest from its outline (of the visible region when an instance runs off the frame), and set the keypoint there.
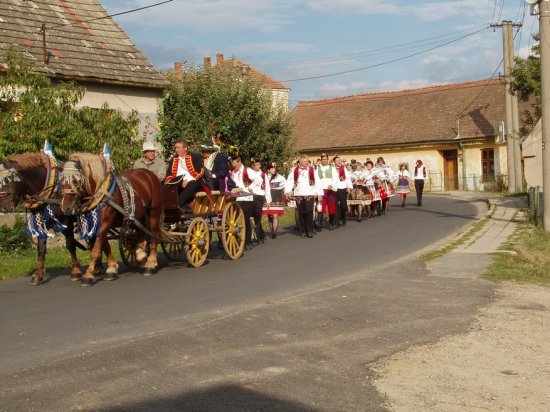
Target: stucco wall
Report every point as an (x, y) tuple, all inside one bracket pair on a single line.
[(144, 101), (469, 163)]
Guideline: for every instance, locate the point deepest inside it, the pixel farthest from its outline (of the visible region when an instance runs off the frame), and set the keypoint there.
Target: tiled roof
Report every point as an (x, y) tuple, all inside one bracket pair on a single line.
[(255, 74), (81, 41), (413, 116)]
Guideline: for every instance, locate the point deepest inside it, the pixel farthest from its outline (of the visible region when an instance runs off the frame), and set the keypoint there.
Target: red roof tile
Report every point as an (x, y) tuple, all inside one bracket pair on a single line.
[(412, 116), (262, 78), (82, 41)]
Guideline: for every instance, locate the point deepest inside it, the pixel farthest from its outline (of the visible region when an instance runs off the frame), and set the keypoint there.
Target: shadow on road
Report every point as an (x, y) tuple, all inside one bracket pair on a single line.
[(221, 398)]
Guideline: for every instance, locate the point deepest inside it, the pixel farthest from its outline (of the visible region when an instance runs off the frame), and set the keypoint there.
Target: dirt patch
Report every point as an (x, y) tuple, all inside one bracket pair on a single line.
[(500, 364)]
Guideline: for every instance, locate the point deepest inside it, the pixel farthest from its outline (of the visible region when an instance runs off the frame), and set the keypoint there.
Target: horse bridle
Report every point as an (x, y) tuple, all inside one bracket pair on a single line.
[(8, 176)]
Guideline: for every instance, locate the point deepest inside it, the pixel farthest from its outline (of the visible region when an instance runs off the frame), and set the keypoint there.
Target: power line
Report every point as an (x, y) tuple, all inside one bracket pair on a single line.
[(111, 15), (374, 52), (482, 89), (385, 89), (386, 62), (391, 95)]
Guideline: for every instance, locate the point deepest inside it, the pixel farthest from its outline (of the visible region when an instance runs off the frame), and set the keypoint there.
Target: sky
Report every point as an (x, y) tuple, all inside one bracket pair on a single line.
[(327, 48)]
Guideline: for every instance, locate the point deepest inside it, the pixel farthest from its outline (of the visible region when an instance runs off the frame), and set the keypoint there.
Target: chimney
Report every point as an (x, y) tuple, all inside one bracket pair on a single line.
[(219, 59), (207, 64), (178, 69)]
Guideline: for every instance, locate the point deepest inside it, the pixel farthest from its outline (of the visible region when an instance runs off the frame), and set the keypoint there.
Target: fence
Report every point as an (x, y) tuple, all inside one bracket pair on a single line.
[(535, 203), (476, 183)]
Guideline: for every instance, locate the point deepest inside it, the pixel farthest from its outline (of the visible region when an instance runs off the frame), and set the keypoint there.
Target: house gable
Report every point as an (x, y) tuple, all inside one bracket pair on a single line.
[(81, 43), (413, 117)]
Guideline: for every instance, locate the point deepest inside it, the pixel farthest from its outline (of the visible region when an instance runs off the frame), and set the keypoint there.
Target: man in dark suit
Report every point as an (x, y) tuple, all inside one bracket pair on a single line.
[(186, 169), (217, 164)]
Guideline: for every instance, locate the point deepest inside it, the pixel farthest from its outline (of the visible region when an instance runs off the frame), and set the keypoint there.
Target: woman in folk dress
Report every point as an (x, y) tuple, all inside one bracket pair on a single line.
[(277, 206), (359, 194), (369, 175), (403, 187)]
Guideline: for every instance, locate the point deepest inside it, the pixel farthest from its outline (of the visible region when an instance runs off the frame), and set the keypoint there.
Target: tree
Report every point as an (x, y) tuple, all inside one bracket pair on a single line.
[(32, 109), (525, 82), (245, 110)]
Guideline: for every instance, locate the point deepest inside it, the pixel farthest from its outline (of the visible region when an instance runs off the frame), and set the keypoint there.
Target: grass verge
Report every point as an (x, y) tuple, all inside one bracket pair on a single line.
[(529, 260), (462, 239), (23, 262)]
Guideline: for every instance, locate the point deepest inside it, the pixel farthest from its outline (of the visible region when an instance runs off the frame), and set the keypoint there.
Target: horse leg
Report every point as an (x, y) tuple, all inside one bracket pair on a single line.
[(154, 227), (89, 278), (70, 243), (112, 265), (39, 275), (141, 249)]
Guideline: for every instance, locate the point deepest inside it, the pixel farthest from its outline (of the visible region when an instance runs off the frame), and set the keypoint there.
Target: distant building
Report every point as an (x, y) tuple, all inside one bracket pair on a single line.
[(278, 89), (83, 44), (460, 152)]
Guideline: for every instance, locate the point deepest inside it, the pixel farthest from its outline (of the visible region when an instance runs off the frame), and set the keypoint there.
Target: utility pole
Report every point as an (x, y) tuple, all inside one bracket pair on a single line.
[(544, 30), (515, 178)]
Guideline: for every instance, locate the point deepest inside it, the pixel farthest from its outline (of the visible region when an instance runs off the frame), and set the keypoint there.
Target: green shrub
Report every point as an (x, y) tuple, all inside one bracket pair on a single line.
[(14, 238)]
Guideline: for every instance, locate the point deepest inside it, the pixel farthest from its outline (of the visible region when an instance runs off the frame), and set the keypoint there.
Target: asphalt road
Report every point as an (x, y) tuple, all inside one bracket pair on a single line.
[(127, 345)]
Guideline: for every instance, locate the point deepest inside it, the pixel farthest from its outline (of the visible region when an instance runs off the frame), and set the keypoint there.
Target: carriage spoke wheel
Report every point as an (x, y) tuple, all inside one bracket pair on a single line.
[(198, 242), (175, 250), (127, 245), (233, 231)]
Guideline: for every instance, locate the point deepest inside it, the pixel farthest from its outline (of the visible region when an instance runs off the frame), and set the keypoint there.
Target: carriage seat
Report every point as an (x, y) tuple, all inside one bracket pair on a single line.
[(203, 194)]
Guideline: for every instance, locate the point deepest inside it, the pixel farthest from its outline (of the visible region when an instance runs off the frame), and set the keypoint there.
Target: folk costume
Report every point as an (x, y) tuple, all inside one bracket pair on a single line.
[(369, 176), (329, 182), (420, 176), (277, 187), (359, 195), (403, 182), (277, 206), (342, 186), (403, 185), (245, 179), (262, 195), (305, 185), (189, 168)]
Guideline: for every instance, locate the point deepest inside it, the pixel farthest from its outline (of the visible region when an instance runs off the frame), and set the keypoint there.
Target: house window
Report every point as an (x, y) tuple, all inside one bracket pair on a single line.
[(488, 164)]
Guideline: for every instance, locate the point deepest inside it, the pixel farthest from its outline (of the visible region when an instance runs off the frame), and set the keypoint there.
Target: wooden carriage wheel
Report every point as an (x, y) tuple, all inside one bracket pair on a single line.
[(198, 242), (233, 230), (127, 245), (175, 250)]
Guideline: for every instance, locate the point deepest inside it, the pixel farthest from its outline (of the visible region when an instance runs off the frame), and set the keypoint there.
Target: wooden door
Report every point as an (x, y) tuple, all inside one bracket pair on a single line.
[(450, 169)]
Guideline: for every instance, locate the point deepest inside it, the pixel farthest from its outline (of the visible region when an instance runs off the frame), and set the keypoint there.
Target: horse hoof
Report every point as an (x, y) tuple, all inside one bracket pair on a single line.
[(76, 277), (86, 282), (148, 272), (35, 281), (109, 277)]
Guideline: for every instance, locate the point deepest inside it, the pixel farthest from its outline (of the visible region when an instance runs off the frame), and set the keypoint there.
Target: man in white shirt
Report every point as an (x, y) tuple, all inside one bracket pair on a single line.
[(245, 180), (419, 178), (261, 196), (305, 184), (329, 182), (186, 169), (343, 187)]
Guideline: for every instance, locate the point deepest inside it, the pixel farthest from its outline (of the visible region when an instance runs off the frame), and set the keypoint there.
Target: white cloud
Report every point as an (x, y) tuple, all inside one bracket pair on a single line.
[(273, 47), (405, 85), (211, 16), (339, 89)]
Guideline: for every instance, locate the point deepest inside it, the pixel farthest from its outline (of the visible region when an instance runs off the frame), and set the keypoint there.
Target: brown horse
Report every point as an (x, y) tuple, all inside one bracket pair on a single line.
[(89, 185), (33, 178)]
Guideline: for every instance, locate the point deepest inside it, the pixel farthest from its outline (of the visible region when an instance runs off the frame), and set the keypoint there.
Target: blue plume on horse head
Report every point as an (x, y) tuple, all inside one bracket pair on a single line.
[(48, 150), (106, 151)]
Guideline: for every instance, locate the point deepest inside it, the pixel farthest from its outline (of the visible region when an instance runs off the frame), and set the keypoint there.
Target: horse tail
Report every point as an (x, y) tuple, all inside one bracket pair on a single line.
[(165, 235)]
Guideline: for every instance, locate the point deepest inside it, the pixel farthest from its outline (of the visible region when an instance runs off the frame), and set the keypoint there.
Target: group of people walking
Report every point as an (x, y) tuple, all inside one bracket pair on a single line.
[(324, 195)]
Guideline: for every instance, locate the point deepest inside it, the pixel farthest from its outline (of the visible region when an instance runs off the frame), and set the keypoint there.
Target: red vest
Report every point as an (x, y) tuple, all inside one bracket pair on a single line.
[(311, 176)]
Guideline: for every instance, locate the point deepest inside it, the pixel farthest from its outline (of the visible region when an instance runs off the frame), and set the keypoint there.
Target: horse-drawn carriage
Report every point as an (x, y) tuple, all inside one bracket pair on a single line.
[(190, 234), (131, 207)]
